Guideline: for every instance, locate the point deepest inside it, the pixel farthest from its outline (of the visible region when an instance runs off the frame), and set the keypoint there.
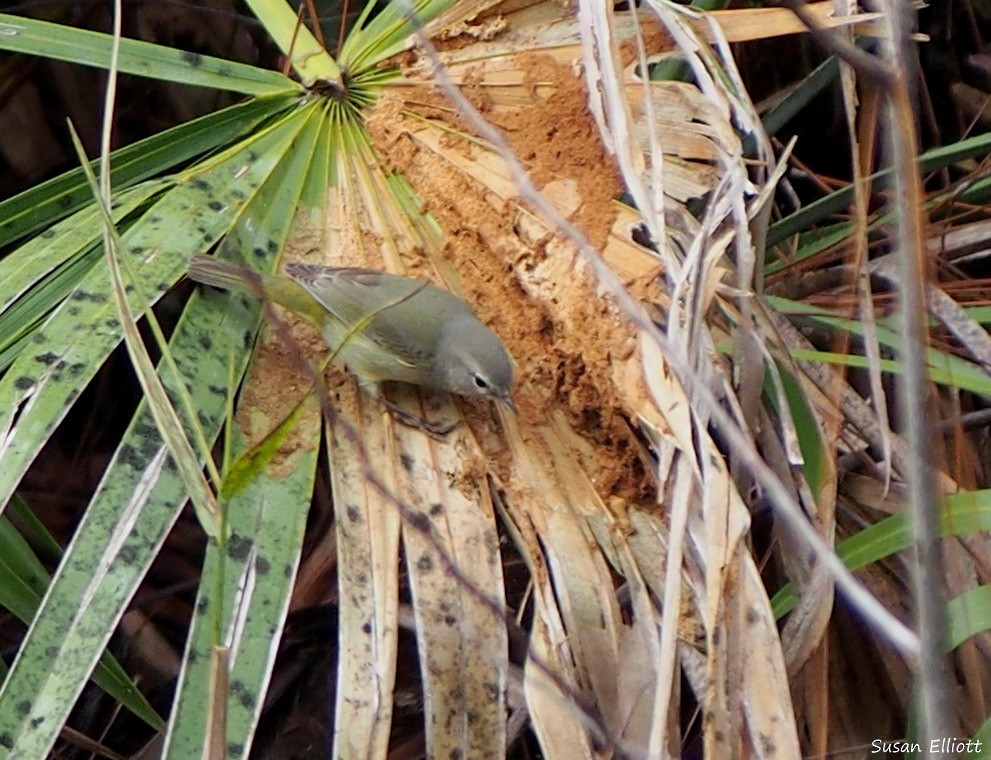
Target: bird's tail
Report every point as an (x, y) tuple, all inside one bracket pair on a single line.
[(283, 290), (221, 274)]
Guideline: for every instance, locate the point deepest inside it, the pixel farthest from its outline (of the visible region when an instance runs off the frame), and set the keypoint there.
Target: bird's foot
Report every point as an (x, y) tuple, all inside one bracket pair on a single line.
[(435, 429)]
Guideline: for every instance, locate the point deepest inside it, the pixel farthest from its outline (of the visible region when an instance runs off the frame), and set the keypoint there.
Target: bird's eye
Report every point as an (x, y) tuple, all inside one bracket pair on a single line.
[(480, 383)]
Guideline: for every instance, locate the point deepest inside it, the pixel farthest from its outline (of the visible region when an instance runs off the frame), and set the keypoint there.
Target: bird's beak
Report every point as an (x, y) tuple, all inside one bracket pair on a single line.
[(507, 400)]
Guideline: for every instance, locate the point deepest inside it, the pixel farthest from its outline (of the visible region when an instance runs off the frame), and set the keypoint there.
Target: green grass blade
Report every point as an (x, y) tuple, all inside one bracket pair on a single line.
[(180, 448), (69, 348), (50, 201), (142, 494), (961, 514), (267, 514), (839, 201), (309, 59), (65, 43), (23, 579), (386, 34), (267, 521), (799, 96), (944, 368), (23, 583), (815, 454), (39, 275), (124, 526), (969, 614)]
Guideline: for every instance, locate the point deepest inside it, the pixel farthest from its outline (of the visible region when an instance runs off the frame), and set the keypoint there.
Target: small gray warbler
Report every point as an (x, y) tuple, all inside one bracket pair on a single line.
[(385, 326)]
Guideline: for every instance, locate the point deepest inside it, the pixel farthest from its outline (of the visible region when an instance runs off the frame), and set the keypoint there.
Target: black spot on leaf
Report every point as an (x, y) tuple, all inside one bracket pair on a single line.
[(145, 430), (129, 456), (419, 523), (238, 547)]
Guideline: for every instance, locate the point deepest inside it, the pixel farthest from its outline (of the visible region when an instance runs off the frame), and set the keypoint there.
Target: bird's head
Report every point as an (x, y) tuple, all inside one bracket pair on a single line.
[(471, 361)]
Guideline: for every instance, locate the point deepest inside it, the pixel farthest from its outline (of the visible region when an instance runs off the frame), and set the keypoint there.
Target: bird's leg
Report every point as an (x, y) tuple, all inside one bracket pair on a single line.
[(436, 429)]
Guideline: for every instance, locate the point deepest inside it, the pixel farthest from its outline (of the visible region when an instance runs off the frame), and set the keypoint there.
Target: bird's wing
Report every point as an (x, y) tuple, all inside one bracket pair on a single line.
[(352, 294)]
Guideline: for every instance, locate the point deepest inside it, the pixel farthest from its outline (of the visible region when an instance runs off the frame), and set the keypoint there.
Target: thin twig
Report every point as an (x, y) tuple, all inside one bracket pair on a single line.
[(866, 65), (923, 497)]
